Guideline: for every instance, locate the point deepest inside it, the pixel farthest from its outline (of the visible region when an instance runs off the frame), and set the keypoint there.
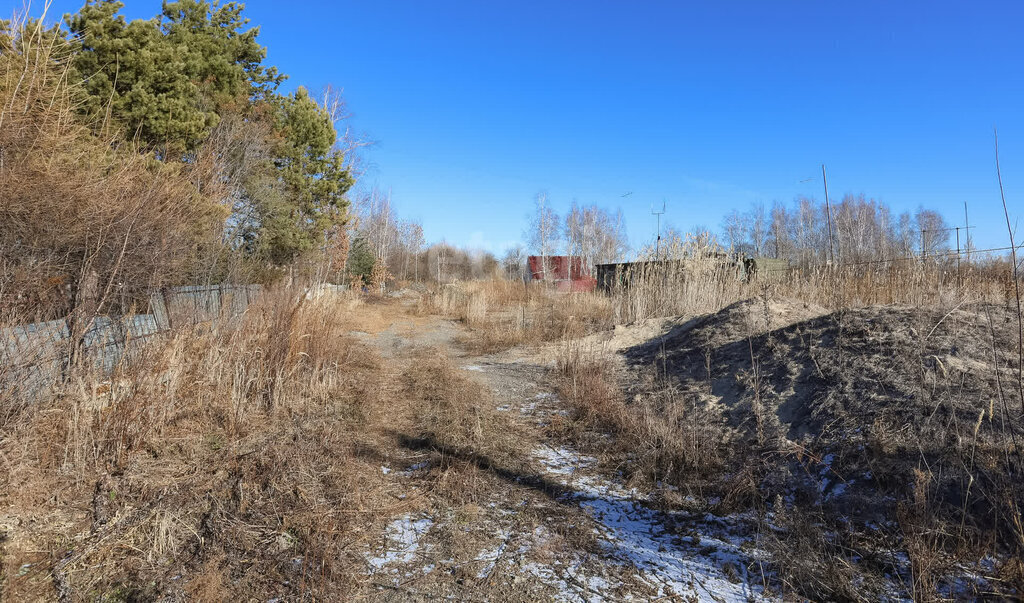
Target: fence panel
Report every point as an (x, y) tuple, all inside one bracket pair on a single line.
[(33, 356)]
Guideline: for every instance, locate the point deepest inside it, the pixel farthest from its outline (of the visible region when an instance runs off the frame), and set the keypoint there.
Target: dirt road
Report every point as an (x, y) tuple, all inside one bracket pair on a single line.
[(553, 526)]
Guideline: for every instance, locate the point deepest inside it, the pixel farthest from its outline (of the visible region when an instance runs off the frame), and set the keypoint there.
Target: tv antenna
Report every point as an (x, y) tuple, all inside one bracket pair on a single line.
[(657, 242)]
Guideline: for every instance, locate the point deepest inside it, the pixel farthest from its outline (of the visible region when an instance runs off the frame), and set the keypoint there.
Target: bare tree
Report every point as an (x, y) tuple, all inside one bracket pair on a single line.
[(735, 227), (780, 231), (757, 228), (413, 243), (595, 235), (934, 231), (543, 233), (377, 222), (349, 141), (514, 263)]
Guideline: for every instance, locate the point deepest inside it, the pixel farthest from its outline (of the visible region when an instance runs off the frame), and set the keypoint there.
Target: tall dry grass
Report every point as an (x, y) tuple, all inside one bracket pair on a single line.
[(504, 314), (668, 437), (696, 276), (219, 461)]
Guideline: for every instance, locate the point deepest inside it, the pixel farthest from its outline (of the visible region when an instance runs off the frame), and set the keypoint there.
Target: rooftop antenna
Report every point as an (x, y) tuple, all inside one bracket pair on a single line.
[(657, 242)]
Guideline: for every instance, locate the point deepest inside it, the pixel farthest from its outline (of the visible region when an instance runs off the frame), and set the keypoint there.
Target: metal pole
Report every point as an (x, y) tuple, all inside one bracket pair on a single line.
[(958, 279), (828, 218), (967, 233), (657, 242)]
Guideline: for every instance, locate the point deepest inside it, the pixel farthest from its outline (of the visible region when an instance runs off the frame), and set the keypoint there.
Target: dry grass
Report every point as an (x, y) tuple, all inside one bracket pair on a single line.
[(454, 413), (701, 280), (239, 461), (767, 405), (217, 463), (666, 436), (504, 314)]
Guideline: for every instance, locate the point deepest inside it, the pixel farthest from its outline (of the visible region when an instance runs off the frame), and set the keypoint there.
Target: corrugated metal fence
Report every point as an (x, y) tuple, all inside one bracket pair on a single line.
[(34, 356)]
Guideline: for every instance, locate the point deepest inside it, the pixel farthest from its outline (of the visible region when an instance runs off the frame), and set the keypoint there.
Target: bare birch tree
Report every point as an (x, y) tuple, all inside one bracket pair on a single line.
[(543, 233)]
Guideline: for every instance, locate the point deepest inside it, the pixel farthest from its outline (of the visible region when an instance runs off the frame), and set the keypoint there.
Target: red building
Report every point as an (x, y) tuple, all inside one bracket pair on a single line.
[(565, 272)]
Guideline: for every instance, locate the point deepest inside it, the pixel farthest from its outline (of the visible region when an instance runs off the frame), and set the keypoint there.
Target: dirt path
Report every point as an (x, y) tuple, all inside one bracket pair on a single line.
[(561, 530)]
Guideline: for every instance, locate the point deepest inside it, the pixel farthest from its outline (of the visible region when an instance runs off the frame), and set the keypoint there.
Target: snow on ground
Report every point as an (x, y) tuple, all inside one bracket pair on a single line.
[(713, 568), (403, 538), (562, 461), (490, 557)]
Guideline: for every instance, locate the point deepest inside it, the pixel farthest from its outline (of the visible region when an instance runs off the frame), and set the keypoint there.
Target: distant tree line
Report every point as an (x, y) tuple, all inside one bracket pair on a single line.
[(862, 230), (396, 247)]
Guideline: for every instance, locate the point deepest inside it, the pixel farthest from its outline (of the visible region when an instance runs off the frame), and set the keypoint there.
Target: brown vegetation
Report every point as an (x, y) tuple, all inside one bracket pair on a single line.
[(225, 462), (89, 223), (504, 314), (853, 433)]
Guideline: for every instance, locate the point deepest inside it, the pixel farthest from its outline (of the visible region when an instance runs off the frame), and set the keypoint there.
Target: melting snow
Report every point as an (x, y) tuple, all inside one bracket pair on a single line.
[(403, 540), (562, 461), (635, 535), (491, 557)]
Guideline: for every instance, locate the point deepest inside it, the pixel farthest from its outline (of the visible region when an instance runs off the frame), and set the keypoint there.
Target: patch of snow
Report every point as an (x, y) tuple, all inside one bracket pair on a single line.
[(490, 557), (473, 367), (403, 540), (838, 490), (562, 461), (635, 535), (385, 469)]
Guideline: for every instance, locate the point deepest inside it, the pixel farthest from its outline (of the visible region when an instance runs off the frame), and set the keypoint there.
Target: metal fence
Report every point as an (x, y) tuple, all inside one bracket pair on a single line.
[(34, 356)]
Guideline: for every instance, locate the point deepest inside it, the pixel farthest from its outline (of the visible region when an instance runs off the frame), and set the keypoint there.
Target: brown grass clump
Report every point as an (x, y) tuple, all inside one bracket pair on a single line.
[(504, 314), (454, 414), (218, 463), (667, 439)]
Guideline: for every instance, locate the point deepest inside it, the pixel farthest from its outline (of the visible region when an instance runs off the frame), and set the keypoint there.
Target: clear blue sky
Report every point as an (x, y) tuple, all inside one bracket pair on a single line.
[(477, 106)]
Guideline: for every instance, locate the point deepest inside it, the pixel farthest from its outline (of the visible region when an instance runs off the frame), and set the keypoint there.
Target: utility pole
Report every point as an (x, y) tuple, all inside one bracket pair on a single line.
[(959, 280), (657, 242), (828, 218), (967, 227)]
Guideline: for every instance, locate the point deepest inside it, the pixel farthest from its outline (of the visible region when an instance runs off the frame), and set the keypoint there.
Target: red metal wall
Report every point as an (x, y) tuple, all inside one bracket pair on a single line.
[(568, 273)]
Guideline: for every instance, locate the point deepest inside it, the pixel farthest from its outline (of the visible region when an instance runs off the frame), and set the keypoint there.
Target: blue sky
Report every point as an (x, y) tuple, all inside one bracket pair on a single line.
[(477, 106)]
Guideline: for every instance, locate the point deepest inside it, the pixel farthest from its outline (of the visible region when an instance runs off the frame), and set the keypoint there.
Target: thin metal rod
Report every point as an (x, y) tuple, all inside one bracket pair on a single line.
[(828, 218), (967, 227)]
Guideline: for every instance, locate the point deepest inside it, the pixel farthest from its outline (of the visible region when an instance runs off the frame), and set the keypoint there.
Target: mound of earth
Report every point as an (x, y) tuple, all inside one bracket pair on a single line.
[(823, 376), (885, 421)]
